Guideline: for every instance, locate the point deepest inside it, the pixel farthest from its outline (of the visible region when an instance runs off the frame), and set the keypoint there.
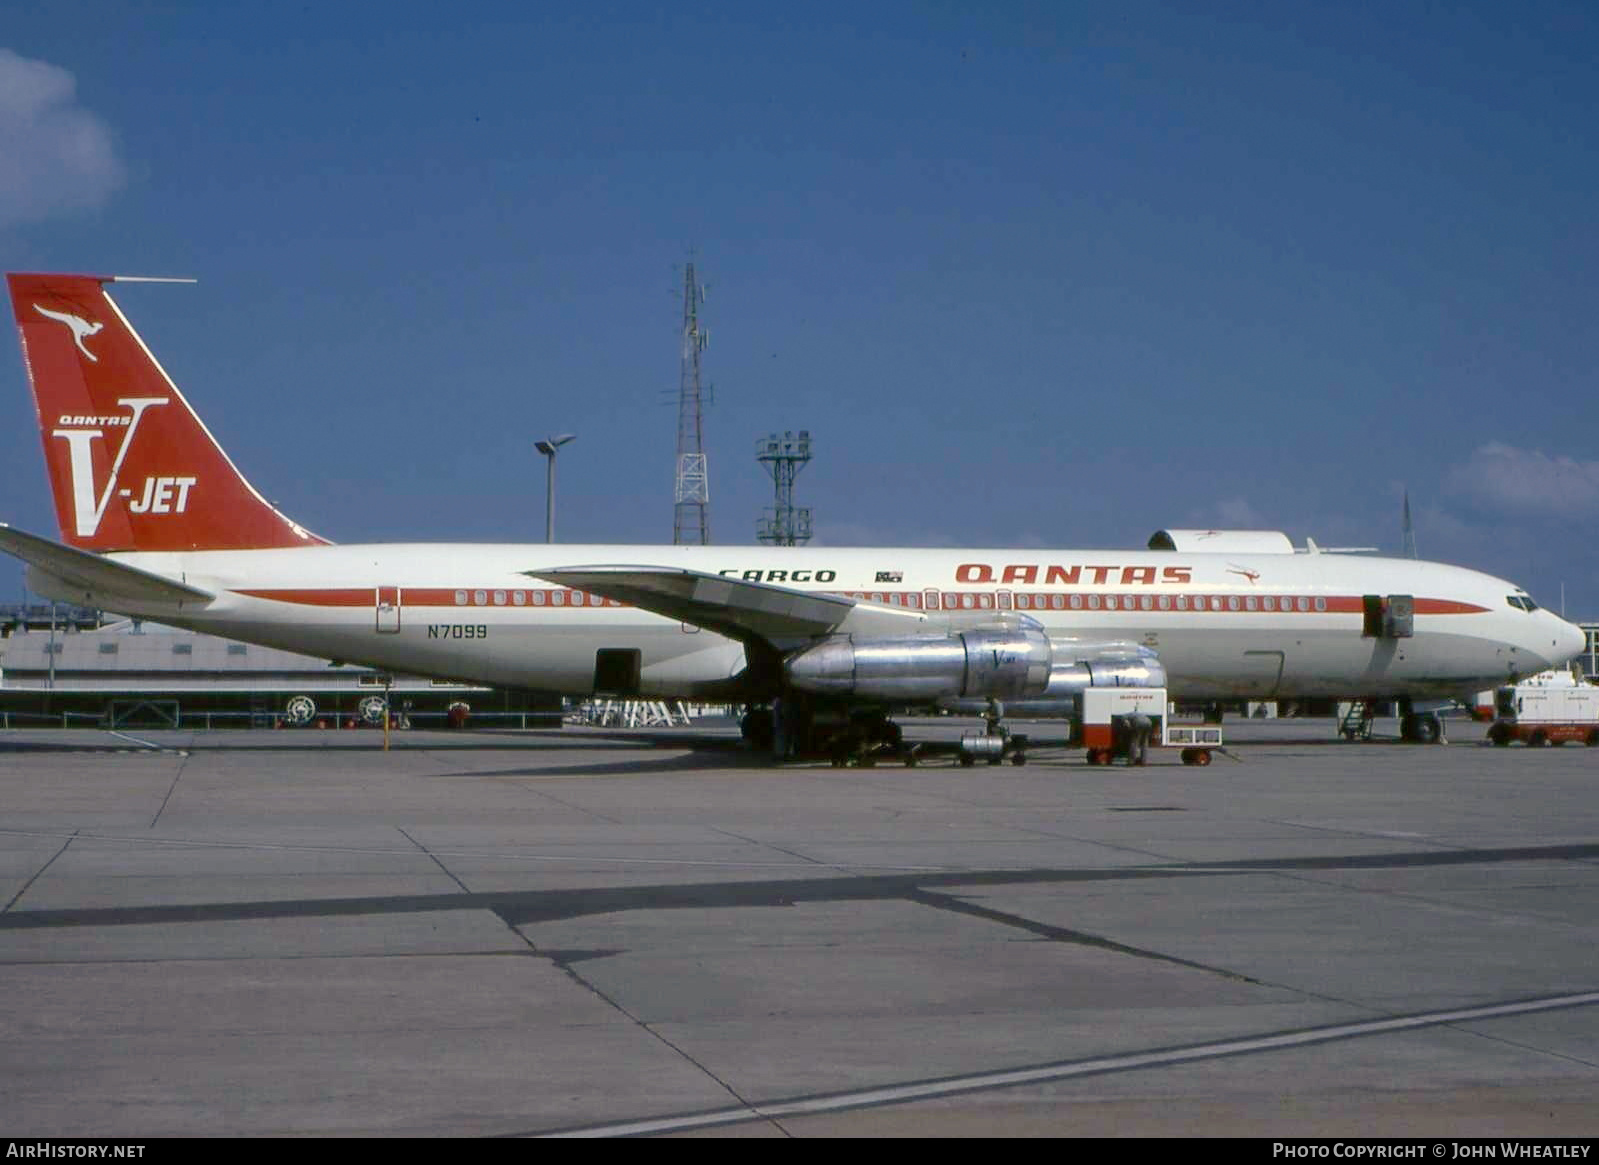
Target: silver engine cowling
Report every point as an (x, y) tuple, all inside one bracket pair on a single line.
[(1010, 663), (1014, 665)]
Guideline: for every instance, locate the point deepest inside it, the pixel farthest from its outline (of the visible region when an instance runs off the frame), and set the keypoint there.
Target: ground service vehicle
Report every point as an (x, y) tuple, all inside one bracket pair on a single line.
[(1546, 710)]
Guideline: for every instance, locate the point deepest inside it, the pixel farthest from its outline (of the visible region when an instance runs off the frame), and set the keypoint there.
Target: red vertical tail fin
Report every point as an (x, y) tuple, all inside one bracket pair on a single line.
[(131, 465)]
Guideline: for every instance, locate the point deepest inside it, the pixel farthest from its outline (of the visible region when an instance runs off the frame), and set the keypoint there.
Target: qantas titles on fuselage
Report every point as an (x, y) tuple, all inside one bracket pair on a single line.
[(1013, 573)]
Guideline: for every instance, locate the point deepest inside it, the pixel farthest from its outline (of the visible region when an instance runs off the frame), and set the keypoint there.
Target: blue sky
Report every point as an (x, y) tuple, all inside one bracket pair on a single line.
[(1031, 274)]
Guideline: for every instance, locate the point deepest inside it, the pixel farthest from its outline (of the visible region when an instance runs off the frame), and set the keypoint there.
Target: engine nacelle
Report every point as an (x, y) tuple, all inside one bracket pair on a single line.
[(1132, 669), (1006, 664), (1076, 667)]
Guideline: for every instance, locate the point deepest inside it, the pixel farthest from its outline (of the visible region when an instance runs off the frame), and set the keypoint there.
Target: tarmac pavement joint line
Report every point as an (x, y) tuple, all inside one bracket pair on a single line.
[(1158, 1058)]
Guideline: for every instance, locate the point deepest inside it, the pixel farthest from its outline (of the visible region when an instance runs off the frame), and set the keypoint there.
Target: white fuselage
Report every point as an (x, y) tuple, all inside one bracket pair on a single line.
[(1224, 626)]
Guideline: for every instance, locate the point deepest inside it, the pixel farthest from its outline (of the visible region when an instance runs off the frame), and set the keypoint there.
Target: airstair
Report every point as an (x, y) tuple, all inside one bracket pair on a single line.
[(1355, 717)]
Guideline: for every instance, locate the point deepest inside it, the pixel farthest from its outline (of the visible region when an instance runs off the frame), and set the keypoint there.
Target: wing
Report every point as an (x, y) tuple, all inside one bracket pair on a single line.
[(92, 580), (738, 609)]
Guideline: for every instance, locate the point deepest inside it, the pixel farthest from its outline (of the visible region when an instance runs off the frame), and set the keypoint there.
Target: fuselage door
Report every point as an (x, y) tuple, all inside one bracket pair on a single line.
[(388, 610), (1263, 672)]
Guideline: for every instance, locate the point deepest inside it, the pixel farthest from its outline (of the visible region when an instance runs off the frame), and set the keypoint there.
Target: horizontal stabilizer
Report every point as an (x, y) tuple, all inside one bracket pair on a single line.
[(733, 607), (93, 580)]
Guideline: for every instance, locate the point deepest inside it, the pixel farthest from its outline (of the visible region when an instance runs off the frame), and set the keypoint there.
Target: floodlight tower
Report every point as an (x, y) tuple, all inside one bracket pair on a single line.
[(784, 457), (690, 521)]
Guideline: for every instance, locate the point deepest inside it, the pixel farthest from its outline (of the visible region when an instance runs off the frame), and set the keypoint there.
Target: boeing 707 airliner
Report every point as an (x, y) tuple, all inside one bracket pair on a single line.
[(156, 521)]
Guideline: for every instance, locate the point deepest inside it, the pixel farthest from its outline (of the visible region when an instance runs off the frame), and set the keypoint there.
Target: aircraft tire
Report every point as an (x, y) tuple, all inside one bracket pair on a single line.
[(757, 729), (1425, 729)]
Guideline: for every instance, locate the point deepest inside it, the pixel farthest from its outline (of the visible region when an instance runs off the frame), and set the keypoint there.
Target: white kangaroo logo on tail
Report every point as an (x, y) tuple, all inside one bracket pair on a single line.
[(81, 328)]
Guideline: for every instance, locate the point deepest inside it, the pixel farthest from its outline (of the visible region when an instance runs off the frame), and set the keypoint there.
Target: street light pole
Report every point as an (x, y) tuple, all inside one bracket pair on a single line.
[(548, 448)]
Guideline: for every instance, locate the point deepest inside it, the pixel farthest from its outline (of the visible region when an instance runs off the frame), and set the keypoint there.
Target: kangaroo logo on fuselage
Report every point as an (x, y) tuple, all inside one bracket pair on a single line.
[(161, 495), (81, 328)]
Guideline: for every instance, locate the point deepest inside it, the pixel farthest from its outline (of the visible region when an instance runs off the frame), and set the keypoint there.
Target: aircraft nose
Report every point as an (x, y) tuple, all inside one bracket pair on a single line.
[(1570, 642)]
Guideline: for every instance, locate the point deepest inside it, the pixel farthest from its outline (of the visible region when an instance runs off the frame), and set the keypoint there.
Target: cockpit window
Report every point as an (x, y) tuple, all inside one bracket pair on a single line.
[(1521, 602)]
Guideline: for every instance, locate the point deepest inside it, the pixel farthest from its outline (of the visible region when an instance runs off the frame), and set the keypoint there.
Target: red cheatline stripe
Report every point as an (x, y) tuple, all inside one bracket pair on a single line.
[(1127, 602), (430, 597)]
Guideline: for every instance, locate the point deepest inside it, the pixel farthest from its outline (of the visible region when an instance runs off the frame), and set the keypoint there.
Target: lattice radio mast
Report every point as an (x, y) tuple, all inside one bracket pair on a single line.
[(691, 522)]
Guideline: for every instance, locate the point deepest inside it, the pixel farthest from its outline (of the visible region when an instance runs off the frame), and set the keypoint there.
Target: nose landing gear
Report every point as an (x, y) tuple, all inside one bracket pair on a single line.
[(1421, 728)]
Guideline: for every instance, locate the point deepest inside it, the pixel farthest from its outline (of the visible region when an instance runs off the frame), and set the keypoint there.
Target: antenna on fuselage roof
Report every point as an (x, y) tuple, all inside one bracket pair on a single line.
[(1312, 548)]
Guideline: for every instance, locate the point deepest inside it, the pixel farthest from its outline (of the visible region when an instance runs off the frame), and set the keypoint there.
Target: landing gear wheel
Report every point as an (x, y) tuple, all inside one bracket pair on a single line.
[(757, 729), (371, 709), (1424, 729), (299, 711)]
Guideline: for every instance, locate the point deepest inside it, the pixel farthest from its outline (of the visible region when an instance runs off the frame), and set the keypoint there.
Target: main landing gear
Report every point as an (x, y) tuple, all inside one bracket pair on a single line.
[(794, 728)]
